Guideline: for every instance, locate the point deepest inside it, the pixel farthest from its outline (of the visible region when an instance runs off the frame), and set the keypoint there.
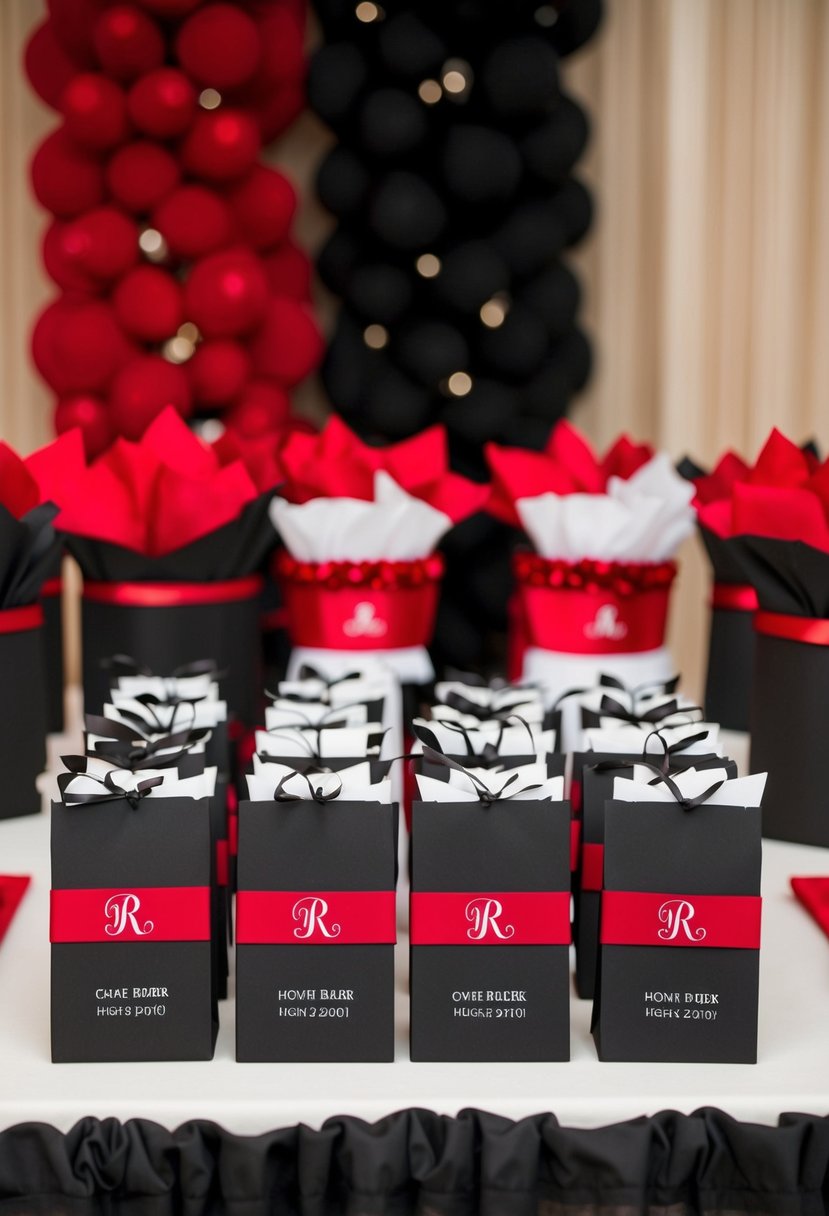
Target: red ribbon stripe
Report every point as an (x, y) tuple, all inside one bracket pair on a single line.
[(173, 595), (811, 630), (130, 914), (489, 918), (16, 620), (655, 918), (736, 597), (316, 918)]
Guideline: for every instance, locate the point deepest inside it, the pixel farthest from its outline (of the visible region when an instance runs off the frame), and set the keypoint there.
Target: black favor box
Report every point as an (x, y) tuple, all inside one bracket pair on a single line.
[(789, 716), (305, 996), (130, 995), (23, 719), (165, 638), (730, 667), (691, 1002), (597, 790), (489, 1000), (52, 603)]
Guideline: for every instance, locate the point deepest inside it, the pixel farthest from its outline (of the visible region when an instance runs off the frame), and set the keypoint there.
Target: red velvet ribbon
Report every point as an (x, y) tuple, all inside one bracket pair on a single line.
[(655, 918), (812, 630), (52, 587), (737, 597), (592, 866), (12, 890), (361, 618), (173, 595), (16, 620), (130, 914), (316, 918), (489, 918)]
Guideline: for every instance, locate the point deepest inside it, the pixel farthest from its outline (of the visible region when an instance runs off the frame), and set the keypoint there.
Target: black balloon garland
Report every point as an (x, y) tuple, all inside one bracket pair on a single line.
[(451, 183)]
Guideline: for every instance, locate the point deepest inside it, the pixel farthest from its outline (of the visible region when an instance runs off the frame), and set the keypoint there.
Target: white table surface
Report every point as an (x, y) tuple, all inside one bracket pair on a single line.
[(792, 1075)]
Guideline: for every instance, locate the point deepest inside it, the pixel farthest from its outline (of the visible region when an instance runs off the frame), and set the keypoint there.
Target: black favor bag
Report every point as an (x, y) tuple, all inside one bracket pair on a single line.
[(679, 958), (23, 715), (489, 930), (730, 668), (315, 931), (130, 930), (51, 598)]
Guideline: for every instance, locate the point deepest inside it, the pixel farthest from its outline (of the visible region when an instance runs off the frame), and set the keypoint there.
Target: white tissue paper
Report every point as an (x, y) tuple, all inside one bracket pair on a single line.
[(459, 787), (735, 791), (354, 783)]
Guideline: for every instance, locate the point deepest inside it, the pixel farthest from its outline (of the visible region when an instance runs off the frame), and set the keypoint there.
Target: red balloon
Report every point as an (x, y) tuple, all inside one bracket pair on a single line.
[(282, 37), (288, 345), (128, 42), (77, 345), (264, 407), (47, 65), (275, 113), (102, 243), (221, 144), (162, 103), (170, 8), (226, 293), (148, 303), (142, 389), (141, 175), (73, 21), (90, 414), (289, 272), (219, 46), (193, 221), (65, 178), (95, 111), (61, 269), (218, 371), (264, 204)]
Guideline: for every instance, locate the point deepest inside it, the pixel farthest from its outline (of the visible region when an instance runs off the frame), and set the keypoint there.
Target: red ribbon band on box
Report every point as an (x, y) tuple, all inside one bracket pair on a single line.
[(811, 630), (130, 914), (52, 587), (737, 597), (592, 866), (360, 605), (173, 595), (655, 918), (489, 918), (316, 918), (593, 607), (16, 620)]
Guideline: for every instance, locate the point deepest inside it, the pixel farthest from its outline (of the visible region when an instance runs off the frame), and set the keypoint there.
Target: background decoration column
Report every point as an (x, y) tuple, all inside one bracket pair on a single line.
[(453, 188)]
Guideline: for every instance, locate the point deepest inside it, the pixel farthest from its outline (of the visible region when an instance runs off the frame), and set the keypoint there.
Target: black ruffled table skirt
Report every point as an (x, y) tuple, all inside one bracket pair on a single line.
[(416, 1161)]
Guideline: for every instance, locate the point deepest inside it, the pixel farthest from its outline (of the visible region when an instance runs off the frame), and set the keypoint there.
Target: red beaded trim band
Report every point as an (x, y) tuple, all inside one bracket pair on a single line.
[(377, 575), (621, 578)]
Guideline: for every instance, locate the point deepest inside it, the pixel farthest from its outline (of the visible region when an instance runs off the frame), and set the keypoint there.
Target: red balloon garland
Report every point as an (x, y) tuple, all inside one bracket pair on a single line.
[(170, 238)]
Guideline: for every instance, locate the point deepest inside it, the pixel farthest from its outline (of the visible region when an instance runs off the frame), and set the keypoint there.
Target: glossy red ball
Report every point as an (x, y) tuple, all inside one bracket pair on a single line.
[(264, 407), (288, 345), (289, 271), (142, 389), (66, 179), (226, 293), (148, 304), (219, 45), (193, 221), (64, 270), (48, 66), (91, 415), (221, 145), (141, 175), (78, 346), (127, 42), (218, 371), (102, 243), (94, 110), (264, 204), (162, 103)]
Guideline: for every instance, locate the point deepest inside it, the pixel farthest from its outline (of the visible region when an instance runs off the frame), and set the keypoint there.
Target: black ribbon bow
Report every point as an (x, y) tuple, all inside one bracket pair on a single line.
[(491, 752), (316, 792), (687, 804), (132, 748), (486, 796), (77, 766)]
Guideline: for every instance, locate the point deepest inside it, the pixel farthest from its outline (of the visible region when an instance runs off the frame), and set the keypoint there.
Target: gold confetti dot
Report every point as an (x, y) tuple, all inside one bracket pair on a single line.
[(494, 311), (429, 91), (375, 336), (368, 12), (210, 99), (178, 350), (428, 265), (459, 384)]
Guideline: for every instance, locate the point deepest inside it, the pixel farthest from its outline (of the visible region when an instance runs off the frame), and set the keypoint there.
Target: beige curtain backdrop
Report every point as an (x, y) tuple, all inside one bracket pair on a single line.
[(706, 273)]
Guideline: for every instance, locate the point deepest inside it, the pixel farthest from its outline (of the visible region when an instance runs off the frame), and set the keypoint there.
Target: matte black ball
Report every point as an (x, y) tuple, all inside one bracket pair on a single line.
[(392, 123), (394, 405), (574, 204), (471, 273), (343, 183), (577, 21), (517, 348), (527, 432), (409, 48), (520, 77), (345, 368), (380, 292), (552, 148), (575, 354), (406, 212), (547, 395), (341, 254), (483, 413), (532, 235), (336, 76), (481, 165), (430, 351), (555, 295)]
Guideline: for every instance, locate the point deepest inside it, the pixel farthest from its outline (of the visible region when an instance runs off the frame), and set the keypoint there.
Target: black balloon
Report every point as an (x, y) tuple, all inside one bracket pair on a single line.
[(554, 293), (483, 414), (533, 234), (471, 273), (380, 292), (521, 76), (573, 203), (411, 48), (552, 148), (337, 260), (336, 76), (394, 405), (480, 165), (392, 123), (430, 351), (343, 182), (406, 212), (516, 348)]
